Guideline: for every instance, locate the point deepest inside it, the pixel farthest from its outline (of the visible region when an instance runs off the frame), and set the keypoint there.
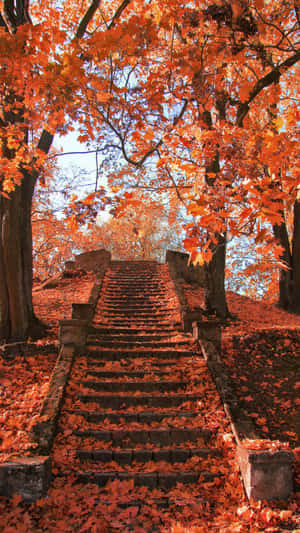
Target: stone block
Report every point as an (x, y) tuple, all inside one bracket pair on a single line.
[(82, 311), (208, 330), (73, 331), (162, 455), (44, 427), (27, 476), (167, 480), (146, 479), (267, 474), (69, 265), (105, 456), (93, 260), (123, 457), (180, 455), (142, 455), (189, 317), (160, 437), (180, 263)]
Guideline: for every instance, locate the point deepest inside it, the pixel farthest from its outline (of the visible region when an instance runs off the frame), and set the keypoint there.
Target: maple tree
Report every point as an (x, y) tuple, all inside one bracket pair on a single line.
[(194, 104), (183, 93), (42, 70)]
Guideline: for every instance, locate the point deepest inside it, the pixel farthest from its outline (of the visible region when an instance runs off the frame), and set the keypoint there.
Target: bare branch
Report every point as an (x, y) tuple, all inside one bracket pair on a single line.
[(180, 198)]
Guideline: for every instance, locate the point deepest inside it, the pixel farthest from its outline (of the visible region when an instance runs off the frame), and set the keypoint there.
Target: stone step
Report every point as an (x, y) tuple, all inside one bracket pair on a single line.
[(114, 401), (114, 355), (159, 437), (142, 417), (164, 502), (134, 304), (139, 337), (138, 344), (135, 294), (138, 302), (139, 298), (132, 312), (136, 322), (153, 480), (131, 386), (154, 282), (142, 331), (127, 456), (125, 373), (121, 274), (141, 308), (160, 364), (134, 291)]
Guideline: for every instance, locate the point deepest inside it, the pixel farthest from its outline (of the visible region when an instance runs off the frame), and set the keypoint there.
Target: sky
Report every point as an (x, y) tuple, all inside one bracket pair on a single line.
[(85, 161)]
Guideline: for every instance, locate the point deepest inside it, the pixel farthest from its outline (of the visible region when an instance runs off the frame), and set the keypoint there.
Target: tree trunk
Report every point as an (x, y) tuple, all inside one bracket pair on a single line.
[(285, 275), (17, 319), (296, 258), (214, 291), (215, 297), (16, 262), (289, 279)]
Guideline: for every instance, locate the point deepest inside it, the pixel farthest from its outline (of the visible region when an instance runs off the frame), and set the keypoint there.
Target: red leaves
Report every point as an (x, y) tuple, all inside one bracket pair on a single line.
[(23, 383)]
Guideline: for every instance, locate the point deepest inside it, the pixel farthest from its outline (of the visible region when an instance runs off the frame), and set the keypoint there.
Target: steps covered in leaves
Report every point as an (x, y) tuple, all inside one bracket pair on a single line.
[(136, 401)]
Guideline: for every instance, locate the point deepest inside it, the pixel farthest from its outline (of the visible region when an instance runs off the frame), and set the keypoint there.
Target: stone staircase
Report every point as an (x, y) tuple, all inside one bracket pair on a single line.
[(133, 403)]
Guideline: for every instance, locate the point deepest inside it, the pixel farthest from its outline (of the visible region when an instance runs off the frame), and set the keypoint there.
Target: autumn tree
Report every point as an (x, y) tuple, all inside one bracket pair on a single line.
[(191, 100), (42, 70)]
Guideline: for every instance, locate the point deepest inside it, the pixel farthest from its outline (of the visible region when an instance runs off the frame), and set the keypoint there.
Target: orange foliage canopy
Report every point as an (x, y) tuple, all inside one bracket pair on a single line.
[(172, 83)]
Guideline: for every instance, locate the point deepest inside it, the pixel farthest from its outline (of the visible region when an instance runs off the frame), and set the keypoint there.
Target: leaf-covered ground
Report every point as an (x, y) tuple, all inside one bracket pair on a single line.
[(261, 350), (23, 384), (24, 379), (55, 303), (219, 506)]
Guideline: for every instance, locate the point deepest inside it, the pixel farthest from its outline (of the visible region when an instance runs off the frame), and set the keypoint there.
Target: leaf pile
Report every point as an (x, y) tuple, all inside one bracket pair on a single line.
[(23, 384)]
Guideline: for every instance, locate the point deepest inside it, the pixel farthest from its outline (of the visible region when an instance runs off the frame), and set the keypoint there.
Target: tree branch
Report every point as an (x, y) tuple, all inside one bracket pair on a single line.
[(118, 13), (297, 10), (266, 81), (46, 137), (87, 19)]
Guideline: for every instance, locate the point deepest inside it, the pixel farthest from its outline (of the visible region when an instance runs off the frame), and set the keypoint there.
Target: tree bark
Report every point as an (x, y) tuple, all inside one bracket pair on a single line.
[(215, 297), (285, 275), (214, 290), (289, 279), (16, 262), (296, 258)]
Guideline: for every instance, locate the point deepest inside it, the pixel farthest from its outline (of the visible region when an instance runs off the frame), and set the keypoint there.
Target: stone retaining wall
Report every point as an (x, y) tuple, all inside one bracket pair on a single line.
[(178, 268), (267, 471)]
